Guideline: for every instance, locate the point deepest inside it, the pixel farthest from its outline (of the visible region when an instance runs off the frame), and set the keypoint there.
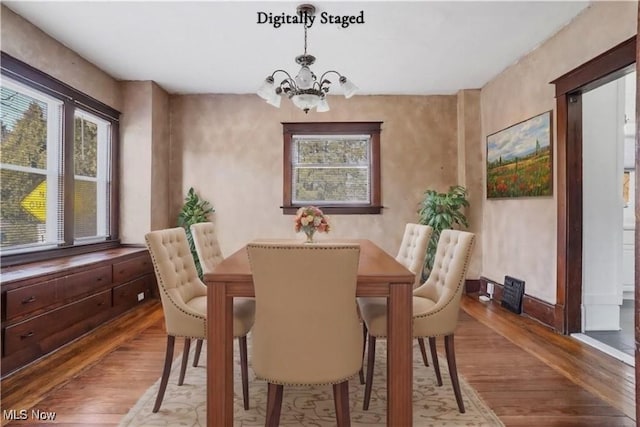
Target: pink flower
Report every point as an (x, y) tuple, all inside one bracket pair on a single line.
[(311, 217)]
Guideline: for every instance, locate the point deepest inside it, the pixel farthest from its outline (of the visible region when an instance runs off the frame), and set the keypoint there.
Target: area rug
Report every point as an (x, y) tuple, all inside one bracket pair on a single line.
[(313, 406)]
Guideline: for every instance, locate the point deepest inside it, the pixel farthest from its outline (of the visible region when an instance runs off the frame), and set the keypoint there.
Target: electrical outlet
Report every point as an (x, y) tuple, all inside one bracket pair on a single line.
[(490, 289), (140, 296)]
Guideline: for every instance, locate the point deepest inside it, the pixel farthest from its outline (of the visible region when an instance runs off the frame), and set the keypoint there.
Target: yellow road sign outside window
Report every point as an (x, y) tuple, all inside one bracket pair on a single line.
[(36, 202)]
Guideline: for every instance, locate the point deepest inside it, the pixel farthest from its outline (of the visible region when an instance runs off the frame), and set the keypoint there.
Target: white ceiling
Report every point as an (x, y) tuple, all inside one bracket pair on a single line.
[(414, 47)]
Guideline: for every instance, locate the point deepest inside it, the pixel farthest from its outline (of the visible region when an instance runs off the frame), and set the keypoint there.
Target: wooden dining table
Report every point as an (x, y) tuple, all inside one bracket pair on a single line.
[(379, 275)]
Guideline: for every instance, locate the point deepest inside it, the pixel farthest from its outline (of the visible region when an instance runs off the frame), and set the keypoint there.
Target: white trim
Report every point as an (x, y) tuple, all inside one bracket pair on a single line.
[(599, 345)]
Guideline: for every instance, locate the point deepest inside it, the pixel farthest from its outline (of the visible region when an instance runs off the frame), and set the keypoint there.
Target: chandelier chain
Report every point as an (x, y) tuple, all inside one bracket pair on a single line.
[(305, 39)]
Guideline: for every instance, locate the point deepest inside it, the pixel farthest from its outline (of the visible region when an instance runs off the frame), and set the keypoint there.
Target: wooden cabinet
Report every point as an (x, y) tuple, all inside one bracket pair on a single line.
[(29, 298), (45, 305)]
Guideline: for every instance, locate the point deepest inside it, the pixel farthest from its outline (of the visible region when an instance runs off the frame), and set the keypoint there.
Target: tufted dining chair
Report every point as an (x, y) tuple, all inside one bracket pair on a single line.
[(411, 254), (206, 242), (413, 249), (307, 329), (184, 302), (208, 250), (436, 305)]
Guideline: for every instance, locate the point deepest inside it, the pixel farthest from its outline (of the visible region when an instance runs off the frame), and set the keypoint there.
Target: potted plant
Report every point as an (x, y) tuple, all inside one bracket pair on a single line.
[(441, 211), (193, 211)]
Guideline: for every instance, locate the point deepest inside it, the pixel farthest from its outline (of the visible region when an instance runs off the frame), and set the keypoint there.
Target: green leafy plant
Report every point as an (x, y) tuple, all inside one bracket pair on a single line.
[(441, 211), (193, 211)]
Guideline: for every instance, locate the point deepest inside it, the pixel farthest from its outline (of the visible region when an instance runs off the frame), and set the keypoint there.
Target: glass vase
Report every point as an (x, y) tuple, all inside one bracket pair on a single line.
[(309, 233)]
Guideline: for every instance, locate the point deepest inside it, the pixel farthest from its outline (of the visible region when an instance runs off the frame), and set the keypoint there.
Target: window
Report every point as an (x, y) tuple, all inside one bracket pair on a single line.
[(57, 171), (91, 180), (333, 165)]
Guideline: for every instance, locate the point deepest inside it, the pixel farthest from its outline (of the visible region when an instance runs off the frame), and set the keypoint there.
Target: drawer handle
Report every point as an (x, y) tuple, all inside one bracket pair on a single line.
[(27, 335), (28, 300)]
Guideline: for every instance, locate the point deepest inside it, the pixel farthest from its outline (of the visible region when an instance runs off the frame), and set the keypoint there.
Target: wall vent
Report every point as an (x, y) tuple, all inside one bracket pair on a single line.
[(512, 294)]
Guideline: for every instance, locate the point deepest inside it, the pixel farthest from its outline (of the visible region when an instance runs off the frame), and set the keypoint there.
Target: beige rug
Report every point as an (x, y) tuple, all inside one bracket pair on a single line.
[(313, 406)]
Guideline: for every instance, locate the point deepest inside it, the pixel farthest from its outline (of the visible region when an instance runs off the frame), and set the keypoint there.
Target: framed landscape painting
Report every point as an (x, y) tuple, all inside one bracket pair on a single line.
[(519, 160)]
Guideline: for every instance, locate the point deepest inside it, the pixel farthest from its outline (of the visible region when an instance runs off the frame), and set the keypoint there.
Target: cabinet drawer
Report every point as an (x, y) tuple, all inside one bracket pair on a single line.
[(25, 300), (130, 269), (84, 282), (37, 329), (132, 293)]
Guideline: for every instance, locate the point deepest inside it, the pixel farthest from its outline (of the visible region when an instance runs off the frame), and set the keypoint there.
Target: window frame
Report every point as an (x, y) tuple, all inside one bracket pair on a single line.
[(372, 129), (72, 99)]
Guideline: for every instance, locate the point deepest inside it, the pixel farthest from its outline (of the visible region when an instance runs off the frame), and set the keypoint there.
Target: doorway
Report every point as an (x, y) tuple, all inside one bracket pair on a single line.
[(607, 67), (608, 175)]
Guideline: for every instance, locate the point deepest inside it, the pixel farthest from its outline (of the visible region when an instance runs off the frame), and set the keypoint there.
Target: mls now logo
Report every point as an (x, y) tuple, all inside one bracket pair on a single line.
[(23, 414), (15, 414)]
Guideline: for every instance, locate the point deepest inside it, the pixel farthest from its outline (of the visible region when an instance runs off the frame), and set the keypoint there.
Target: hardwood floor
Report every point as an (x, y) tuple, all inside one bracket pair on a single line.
[(527, 374)]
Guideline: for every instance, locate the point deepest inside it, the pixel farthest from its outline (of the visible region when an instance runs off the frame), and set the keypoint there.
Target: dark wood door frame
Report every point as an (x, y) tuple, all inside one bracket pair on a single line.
[(637, 240), (569, 88)]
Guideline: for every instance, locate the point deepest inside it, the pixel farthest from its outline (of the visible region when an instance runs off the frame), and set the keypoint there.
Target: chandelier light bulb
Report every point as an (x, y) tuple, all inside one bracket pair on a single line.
[(274, 99), (267, 89), (348, 87), (323, 106)]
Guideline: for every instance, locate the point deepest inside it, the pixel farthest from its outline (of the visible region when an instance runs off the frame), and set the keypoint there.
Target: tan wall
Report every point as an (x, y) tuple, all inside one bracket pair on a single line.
[(229, 148), (28, 43), (136, 161), (160, 161), (470, 168), (144, 163), (519, 235)]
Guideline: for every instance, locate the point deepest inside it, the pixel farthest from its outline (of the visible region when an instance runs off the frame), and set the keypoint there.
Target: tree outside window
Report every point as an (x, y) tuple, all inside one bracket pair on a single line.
[(56, 167)]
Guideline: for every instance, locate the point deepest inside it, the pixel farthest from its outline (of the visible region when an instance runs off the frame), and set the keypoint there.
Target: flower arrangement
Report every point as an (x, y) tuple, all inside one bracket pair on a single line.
[(310, 219)]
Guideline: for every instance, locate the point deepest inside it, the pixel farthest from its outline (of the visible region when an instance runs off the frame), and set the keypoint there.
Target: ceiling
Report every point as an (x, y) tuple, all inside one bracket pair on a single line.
[(419, 47)]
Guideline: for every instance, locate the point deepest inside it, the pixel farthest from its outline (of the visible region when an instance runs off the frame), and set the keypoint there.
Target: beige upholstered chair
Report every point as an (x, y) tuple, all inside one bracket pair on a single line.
[(307, 329), (184, 302), (205, 241), (436, 305), (413, 249), (207, 247), (411, 254)]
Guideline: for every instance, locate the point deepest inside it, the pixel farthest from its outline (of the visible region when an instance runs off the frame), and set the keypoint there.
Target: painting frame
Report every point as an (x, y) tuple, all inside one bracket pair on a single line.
[(519, 159)]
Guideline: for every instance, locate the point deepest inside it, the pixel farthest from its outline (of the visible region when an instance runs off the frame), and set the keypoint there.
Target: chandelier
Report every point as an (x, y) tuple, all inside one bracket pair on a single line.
[(305, 90)]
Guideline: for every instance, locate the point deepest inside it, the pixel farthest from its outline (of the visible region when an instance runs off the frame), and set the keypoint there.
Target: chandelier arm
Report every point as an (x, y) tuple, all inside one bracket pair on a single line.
[(329, 72), (288, 80), (281, 71)]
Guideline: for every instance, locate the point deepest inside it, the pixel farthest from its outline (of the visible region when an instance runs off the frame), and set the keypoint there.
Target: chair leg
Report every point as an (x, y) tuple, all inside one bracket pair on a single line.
[(365, 332), (434, 357), (185, 360), (274, 404), (453, 370), (168, 359), (370, 362), (423, 350), (242, 343), (196, 358), (341, 401)]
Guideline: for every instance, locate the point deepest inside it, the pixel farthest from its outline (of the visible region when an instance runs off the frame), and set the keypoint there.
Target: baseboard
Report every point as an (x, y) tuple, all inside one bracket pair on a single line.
[(472, 286), (548, 314)]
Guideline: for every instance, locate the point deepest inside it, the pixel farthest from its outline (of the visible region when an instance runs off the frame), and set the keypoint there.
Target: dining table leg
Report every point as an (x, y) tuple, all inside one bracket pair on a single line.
[(219, 356), (400, 355)]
